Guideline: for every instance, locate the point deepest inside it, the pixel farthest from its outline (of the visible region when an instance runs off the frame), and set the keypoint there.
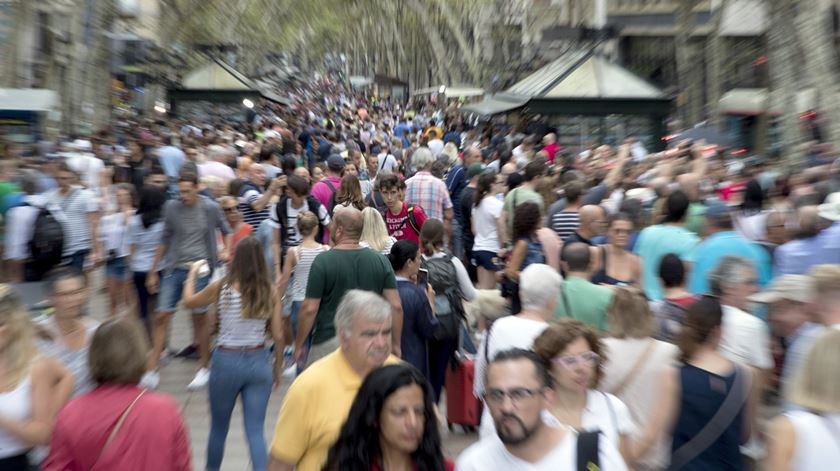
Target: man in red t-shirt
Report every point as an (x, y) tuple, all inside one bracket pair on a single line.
[(403, 221)]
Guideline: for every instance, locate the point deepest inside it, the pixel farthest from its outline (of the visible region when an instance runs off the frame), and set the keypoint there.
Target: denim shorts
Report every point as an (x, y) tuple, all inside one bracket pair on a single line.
[(484, 259), (117, 268), (172, 286)]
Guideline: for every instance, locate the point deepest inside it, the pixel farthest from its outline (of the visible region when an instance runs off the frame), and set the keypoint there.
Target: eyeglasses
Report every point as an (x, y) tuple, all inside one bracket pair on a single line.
[(570, 361), (70, 293), (516, 395)]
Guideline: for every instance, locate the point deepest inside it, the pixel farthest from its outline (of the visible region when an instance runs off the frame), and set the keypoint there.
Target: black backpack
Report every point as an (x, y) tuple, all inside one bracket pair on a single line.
[(449, 307), (47, 243), (587, 451), (334, 190), (313, 206)]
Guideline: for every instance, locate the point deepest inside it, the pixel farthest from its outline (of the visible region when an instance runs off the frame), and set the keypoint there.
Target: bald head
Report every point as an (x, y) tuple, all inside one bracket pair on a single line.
[(590, 213), (576, 256), (690, 184), (508, 168), (471, 155), (592, 221), (809, 221), (350, 222)]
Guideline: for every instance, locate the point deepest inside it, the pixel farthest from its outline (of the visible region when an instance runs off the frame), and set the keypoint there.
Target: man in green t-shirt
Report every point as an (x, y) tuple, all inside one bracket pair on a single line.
[(346, 266), (532, 175), (579, 298)]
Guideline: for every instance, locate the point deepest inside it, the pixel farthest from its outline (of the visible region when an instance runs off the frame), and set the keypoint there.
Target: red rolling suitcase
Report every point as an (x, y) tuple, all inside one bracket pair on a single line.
[(462, 407)]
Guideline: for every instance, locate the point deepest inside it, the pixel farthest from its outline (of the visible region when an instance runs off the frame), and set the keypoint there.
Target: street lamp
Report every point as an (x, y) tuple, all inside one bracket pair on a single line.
[(248, 103)]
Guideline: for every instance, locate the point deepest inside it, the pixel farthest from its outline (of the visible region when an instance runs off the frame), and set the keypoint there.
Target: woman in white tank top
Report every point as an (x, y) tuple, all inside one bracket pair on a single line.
[(809, 439), (241, 365), (32, 387)]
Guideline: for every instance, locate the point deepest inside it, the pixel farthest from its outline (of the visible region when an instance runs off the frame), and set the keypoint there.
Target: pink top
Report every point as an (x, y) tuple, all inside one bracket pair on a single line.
[(323, 194), (152, 437)]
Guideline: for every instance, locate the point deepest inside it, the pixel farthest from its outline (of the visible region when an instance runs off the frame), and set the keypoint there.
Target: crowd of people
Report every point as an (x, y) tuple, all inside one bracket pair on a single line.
[(623, 309)]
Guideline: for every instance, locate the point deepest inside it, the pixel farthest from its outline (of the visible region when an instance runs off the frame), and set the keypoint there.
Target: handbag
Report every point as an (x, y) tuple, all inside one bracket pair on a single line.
[(509, 287), (726, 413), (117, 428)]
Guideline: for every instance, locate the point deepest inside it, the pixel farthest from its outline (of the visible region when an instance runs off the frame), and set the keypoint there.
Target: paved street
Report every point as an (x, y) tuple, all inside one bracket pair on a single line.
[(177, 374)]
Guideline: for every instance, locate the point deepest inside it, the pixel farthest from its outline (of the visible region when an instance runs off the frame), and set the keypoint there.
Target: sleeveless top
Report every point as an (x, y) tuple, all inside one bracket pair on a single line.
[(15, 405), (305, 257), (76, 361), (234, 330), (602, 277), (534, 254), (817, 440), (699, 402)]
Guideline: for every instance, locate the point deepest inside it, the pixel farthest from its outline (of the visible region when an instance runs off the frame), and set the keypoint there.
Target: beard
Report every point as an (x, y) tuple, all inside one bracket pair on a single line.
[(511, 439)]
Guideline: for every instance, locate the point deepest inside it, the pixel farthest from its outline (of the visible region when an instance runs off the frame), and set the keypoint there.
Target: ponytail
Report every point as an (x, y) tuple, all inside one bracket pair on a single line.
[(484, 186), (701, 319)]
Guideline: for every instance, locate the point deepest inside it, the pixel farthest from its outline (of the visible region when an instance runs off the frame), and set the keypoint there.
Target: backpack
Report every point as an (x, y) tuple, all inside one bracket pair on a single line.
[(332, 196), (449, 308), (47, 243), (280, 209)]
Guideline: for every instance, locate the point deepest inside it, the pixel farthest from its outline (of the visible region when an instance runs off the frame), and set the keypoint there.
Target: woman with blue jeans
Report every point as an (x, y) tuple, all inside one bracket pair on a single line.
[(241, 364)]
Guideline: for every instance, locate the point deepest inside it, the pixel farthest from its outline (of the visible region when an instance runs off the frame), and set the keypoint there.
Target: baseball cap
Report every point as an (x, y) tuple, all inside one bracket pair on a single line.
[(335, 163), (716, 209), (474, 169), (798, 288)]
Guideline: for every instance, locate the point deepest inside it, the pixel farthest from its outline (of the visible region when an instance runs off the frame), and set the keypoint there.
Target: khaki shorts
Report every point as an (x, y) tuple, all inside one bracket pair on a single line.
[(316, 352)]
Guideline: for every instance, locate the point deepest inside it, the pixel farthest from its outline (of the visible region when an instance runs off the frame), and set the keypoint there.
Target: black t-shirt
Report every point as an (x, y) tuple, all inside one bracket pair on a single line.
[(466, 206)]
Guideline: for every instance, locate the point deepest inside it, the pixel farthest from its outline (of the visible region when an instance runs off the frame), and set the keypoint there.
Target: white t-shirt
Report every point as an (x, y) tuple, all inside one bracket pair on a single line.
[(745, 339), (817, 440), (387, 163), (484, 217), (603, 412), (88, 167), (491, 455), (293, 236)]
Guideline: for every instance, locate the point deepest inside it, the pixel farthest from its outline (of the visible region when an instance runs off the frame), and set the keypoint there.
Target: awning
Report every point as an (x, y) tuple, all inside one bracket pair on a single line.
[(28, 99), (359, 81), (495, 104), (451, 92), (755, 101), (271, 96)]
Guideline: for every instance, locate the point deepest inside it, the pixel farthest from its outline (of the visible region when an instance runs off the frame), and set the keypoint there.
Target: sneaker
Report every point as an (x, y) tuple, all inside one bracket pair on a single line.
[(290, 372), (200, 380), (150, 380), (189, 352)]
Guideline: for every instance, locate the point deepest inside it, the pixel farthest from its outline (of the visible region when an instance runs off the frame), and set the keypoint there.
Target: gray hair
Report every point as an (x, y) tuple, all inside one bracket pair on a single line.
[(358, 302), (730, 270), (216, 152), (422, 158), (539, 285)]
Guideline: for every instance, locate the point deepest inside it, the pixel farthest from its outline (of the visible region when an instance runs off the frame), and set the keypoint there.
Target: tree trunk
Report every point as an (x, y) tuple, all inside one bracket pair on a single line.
[(715, 52), (782, 48), (818, 44), (685, 62)]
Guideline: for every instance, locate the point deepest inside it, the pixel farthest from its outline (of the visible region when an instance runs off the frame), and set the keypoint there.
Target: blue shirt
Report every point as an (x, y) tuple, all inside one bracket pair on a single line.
[(456, 181), (708, 254), (798, 256), (418, 325), (798, 347), (830, 239), (655, 242), (171, 158)]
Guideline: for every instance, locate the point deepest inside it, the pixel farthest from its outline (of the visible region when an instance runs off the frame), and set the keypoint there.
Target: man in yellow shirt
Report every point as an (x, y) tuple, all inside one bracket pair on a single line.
[(319, 400)]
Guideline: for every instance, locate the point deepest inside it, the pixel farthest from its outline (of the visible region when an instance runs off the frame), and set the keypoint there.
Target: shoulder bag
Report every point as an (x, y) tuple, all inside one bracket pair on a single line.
[(714, 428), (117, 428)]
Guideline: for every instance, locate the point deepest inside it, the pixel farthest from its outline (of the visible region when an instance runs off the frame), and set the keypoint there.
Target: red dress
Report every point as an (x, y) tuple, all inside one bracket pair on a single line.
[(152, 437)]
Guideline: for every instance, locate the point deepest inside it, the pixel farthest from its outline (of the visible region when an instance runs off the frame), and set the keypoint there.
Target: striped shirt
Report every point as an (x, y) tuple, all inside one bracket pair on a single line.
[(305, 257), (247, 196), (428, 192), (76, 207), (565, 223), (234, 330)]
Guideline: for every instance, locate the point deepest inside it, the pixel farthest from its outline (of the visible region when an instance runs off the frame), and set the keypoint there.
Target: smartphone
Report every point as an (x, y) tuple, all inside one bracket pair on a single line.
[(423, 277)]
